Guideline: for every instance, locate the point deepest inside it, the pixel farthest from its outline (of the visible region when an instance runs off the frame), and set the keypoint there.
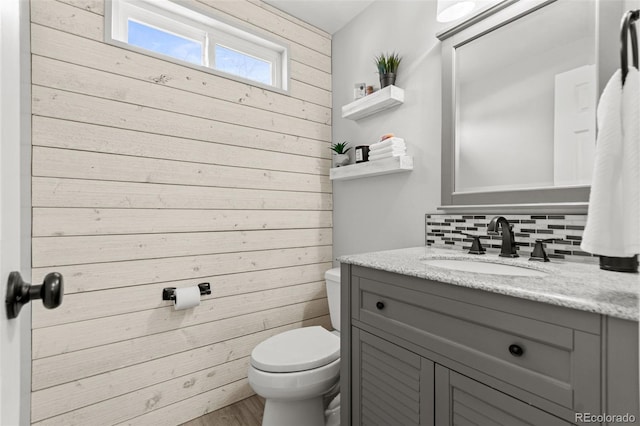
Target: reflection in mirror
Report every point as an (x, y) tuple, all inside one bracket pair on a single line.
[(525, 100)]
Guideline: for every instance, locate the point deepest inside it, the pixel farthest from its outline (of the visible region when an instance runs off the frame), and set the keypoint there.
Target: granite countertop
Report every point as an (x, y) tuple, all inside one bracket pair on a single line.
[(570, 284)]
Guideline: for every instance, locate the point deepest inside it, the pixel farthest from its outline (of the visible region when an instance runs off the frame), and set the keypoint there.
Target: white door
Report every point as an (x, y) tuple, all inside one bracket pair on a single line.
[(15, 214)]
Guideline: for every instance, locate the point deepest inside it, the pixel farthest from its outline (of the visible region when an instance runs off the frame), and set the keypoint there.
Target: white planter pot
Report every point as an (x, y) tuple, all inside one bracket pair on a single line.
[(340, 160)]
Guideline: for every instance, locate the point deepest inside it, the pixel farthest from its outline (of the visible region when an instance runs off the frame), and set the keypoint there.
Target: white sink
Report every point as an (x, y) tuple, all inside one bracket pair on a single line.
[(483, 267)]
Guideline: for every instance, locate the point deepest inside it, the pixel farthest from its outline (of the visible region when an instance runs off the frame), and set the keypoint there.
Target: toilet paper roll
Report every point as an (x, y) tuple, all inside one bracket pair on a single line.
[(186, 298)]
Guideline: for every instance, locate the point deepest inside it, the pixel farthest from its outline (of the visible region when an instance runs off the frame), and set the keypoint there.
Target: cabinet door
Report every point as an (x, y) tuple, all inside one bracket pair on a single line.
[(390, 385), (461, 401)]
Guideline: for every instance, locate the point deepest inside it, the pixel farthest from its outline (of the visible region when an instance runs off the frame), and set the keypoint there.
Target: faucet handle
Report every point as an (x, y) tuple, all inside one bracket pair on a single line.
[(476, 246), (538, 254)]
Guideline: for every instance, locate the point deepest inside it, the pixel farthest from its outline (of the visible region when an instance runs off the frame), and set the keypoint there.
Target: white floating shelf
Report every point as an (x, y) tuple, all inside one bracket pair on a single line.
[(372, 168), (378, 101)]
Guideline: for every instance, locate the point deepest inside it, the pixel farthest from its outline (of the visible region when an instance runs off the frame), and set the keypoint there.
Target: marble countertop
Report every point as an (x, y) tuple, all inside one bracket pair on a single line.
[(570, 284)]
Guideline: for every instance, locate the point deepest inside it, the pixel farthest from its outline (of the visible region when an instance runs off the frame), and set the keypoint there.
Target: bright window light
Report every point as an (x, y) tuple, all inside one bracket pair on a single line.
[(238, 63), (150, 38), (171, 29)]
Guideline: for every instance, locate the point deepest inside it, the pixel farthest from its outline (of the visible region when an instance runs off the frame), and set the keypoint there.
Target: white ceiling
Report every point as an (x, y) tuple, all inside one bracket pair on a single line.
[(328, 15)]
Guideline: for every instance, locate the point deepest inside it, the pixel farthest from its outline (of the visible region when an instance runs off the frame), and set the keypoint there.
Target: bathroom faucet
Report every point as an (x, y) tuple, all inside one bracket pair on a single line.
[(508, 241)]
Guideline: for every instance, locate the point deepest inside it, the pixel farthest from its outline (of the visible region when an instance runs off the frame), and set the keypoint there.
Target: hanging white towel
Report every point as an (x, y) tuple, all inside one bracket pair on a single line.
[(613, 222), (631, 161)]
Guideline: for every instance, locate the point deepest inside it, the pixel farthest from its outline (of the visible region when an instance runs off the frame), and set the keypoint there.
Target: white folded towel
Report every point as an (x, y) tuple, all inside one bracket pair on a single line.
[(387, 155), (395, 142), (387, 150), (379, 146), (613, 221)]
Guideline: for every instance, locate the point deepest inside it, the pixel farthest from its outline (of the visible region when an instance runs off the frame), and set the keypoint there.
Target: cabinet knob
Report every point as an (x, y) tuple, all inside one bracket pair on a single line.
[(516, 350), (380, 305)]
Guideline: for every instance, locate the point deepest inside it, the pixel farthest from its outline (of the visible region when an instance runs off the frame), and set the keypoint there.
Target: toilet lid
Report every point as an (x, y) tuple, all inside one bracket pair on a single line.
[(296, 350)]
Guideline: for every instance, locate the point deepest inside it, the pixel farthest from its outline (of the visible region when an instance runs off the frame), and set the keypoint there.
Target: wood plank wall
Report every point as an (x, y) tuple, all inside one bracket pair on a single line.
[(148, 174)]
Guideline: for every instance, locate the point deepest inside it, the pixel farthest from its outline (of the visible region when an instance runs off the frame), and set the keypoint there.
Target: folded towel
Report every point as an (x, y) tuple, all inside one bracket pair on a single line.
[(613, 224), (397, 142), (387, 155), (398, 145), (387, 150)]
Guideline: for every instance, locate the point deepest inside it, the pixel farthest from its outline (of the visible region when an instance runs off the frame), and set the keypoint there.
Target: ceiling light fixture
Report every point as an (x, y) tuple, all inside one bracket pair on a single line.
[(450, 10)]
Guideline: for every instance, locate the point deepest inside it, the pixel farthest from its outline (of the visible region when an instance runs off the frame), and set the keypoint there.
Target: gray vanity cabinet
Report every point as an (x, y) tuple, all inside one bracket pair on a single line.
[(420, 352)]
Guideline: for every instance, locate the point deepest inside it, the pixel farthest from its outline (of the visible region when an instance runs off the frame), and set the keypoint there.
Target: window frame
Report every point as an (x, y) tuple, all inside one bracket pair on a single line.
[(193, 23)]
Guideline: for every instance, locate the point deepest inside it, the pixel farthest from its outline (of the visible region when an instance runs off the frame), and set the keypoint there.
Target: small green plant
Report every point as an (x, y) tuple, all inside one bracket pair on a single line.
[(340, 147), (388, 63)]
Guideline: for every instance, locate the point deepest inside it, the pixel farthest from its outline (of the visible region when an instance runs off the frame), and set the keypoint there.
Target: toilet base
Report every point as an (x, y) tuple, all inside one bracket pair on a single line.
[(307, 412)]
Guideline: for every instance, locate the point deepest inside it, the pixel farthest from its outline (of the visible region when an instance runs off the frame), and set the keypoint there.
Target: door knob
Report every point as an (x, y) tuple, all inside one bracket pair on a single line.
[(20, 292)]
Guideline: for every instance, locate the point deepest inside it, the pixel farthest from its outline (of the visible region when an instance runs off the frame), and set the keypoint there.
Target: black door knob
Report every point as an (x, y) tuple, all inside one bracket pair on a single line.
[(19, 292), (516, 350), (380, 305), (50, 291)]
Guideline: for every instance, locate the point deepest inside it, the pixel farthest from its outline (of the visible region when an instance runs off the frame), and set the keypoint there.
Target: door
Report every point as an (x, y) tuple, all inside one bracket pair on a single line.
[(391, 385), (15, 214), (460, 400)]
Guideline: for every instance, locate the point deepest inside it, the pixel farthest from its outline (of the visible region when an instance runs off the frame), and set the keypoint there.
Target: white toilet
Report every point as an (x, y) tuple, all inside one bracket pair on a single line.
[(295, 369)]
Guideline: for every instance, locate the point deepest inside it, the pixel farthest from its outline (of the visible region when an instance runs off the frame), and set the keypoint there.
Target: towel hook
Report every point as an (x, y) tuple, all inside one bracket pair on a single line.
[(628, 26)]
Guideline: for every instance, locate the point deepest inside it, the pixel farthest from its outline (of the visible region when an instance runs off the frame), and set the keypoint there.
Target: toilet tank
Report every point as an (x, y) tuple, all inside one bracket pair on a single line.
[(332, 279)]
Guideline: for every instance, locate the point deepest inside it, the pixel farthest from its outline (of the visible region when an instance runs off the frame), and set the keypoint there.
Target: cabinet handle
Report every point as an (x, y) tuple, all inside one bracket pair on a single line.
[(516, 350), (380, 305)]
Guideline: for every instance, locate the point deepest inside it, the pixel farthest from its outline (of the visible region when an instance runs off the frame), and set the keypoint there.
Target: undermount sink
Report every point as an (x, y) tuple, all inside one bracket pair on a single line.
[(483, 267)]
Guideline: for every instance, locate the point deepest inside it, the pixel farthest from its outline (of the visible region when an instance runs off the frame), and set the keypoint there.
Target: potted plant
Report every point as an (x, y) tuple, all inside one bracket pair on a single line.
[(340, 158), (387, 68)]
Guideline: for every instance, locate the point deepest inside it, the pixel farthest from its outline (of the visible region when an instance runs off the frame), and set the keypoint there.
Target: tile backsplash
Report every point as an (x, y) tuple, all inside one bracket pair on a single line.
[(444, 230)]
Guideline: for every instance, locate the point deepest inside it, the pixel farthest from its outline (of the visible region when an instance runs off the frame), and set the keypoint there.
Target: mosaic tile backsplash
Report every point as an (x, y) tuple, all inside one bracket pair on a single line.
[(444, 230)]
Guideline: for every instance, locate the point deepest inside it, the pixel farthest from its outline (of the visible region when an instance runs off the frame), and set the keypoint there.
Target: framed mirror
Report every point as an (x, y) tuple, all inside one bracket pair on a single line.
[(520, 85)]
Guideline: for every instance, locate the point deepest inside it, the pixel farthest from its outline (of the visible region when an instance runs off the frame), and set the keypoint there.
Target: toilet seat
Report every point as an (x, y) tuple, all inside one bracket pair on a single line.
[(296, 350)]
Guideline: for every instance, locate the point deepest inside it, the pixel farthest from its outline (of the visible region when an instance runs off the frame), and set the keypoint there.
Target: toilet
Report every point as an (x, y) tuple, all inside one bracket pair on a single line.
[(294, 370)]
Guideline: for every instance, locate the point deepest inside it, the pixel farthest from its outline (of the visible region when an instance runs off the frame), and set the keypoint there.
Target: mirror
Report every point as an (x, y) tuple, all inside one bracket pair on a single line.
[(520, 89)]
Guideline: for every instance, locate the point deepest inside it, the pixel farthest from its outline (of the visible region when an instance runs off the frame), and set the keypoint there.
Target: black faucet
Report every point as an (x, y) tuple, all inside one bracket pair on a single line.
[(508, 241)]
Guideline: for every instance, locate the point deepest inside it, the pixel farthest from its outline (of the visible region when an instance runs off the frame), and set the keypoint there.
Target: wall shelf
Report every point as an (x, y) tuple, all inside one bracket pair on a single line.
[(372, 168), (378, 101)]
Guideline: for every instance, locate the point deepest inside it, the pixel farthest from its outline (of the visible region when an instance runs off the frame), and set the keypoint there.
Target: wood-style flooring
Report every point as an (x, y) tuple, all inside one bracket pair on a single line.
[(247, 412)]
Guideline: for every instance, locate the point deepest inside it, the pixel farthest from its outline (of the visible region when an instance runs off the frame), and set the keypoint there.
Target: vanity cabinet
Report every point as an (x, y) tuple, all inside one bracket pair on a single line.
[(420, 352)]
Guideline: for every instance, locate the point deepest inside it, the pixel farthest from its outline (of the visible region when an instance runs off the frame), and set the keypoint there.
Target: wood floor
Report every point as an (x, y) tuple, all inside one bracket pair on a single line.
[(247, 412)]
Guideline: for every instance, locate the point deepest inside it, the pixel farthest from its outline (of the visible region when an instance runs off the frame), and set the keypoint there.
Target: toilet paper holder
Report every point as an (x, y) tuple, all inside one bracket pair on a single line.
[(169, 293)]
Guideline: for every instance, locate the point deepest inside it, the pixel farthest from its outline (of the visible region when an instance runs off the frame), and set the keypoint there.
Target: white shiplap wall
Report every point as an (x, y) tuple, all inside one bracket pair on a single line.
[(148, 174)]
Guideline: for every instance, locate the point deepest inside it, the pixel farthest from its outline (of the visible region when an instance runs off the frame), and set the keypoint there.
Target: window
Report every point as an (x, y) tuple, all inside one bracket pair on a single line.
[(150, 38), (238, 63), (187, 35)]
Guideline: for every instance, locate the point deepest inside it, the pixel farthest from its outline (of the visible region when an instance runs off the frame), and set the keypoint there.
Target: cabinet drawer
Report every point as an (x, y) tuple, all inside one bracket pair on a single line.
[(557, 363)]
